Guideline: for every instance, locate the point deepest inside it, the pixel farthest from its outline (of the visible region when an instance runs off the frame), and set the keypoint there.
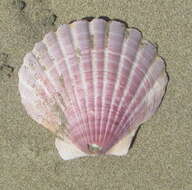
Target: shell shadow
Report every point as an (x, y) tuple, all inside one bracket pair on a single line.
[(71, 21), (134, 138), (122, 21), (168, 79), (88, 18), (107, 19)]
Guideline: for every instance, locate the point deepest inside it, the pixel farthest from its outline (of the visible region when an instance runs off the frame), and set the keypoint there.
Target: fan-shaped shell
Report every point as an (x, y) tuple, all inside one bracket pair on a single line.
[(93, 84)]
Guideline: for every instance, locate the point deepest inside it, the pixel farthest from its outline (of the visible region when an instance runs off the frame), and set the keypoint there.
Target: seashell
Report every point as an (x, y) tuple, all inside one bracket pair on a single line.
[(92, 84)]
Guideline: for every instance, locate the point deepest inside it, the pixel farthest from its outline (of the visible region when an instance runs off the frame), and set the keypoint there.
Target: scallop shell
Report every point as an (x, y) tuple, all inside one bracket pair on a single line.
[(92, 84)]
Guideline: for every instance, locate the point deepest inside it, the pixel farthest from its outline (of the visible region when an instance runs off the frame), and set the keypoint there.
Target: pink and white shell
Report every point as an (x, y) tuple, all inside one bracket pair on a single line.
[(92, 84)]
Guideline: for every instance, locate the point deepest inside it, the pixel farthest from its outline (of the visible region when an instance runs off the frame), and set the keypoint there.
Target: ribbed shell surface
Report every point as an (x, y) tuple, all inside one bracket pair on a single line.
[(95, 80)]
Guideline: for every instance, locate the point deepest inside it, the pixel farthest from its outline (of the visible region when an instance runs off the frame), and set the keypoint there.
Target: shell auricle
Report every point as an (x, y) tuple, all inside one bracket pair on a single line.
[(92, 83)]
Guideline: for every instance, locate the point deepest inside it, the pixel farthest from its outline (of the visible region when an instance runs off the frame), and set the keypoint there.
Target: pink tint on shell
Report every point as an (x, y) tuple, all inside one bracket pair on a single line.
[(96, 80)]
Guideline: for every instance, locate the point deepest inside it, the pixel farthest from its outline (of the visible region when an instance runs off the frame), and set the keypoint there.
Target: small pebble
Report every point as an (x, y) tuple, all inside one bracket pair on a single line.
[(51, 19), (20, 4)]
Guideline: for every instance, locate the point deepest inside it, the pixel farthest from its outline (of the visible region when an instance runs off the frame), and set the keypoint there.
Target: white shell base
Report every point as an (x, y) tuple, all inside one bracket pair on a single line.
[(67, 150)]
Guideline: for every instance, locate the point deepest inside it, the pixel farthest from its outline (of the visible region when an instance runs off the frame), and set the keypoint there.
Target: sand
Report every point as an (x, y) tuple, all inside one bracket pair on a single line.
[(161, 157)]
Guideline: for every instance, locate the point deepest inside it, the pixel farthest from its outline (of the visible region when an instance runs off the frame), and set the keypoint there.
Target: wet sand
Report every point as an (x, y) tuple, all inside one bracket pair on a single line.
[(161, 157)]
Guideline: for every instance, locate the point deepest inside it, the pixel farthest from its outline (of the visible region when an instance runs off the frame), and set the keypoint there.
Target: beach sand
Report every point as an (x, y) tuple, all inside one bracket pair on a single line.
[(161, 157)]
